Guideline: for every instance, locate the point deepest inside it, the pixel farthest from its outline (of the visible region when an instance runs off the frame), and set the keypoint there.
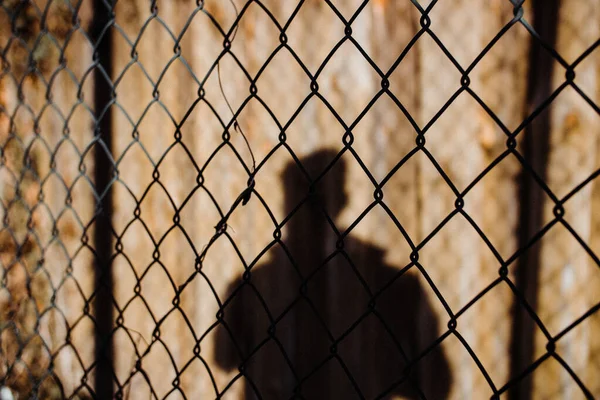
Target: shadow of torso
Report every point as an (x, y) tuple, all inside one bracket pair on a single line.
[(338, 329)]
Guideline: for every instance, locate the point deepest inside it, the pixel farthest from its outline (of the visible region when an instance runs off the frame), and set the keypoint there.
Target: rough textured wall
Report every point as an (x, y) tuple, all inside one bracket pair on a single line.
[(464, 141), (569, 276), (183, 160), (46, 197), (347, 82), (416, 194)]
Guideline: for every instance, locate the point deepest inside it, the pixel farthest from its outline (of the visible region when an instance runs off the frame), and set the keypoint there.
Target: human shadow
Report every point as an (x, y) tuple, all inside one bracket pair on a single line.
[(327, 318)]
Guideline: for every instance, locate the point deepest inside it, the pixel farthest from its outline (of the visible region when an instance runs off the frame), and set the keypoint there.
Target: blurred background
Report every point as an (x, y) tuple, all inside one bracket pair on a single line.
[(130, 130)]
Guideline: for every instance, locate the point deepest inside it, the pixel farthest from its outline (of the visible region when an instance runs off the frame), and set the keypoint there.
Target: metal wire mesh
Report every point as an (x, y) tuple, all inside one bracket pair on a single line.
[(86, 261)]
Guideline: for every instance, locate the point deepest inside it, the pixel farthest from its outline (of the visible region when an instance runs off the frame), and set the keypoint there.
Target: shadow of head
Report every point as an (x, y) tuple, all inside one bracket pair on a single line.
[(318, 180)]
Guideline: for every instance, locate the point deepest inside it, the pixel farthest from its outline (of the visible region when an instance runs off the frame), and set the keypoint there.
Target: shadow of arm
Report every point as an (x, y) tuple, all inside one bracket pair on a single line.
[(230, 333), (434, 370)]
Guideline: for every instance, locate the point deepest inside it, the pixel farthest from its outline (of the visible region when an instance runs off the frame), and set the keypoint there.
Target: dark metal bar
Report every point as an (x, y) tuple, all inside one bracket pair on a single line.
[(103, 17), (536, 146)]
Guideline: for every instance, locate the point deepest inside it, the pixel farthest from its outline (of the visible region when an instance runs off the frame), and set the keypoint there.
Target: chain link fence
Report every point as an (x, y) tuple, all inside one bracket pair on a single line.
[(308, 199)]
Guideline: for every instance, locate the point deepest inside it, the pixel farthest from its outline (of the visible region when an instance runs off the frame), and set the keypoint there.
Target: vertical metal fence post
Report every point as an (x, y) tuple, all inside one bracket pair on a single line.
[(103, 99), (536, 146)]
